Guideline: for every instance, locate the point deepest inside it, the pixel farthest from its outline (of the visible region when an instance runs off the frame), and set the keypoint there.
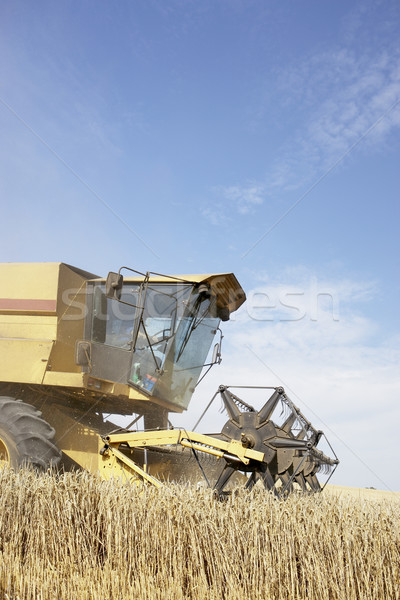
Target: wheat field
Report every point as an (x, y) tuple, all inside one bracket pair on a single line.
[(74, 536)]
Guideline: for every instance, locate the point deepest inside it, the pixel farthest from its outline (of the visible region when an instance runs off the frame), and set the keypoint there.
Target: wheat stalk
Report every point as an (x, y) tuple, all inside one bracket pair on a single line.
[(75, 536)]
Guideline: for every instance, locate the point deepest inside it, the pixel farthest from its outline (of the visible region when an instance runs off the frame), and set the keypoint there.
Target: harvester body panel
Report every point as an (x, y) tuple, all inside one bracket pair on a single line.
[(37, 310)]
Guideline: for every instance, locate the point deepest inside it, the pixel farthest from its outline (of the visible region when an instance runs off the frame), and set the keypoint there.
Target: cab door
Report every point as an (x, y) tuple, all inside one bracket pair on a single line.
[(111, 326)]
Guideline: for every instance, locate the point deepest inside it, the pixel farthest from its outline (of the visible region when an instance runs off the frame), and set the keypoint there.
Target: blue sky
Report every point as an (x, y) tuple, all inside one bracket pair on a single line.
[(249, 136)]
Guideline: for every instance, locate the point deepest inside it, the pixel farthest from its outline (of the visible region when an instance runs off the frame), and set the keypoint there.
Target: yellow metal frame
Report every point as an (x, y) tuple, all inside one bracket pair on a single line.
[(116, 462)]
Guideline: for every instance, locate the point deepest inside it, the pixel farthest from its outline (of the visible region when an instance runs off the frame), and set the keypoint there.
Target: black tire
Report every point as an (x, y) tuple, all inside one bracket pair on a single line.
[(25, 438)]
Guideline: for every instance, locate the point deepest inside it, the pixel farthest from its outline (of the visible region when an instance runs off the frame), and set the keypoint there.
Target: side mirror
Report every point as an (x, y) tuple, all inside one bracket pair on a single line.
[(203, 290), (114, 285), (216, 357), (223, 313)]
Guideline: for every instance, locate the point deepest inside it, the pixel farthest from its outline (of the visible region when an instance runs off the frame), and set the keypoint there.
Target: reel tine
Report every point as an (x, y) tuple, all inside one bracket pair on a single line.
[(287, 482), (231, 408), (224, 477), (252, 480), (313, 483), (266, 412), (288, 424), (268, 480), (299, 478)]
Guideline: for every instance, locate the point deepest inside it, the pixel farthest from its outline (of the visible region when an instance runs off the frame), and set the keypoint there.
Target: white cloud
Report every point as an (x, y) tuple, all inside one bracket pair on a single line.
[(347, 97), (238, 199), (244, 197), (215, 214), (341, 101)]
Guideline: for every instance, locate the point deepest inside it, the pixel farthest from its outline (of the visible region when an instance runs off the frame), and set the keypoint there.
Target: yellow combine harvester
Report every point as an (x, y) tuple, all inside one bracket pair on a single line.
[(76, 348)]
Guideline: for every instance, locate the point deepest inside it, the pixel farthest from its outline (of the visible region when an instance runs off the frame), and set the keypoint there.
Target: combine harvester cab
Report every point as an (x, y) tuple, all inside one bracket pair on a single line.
[(75, 348)]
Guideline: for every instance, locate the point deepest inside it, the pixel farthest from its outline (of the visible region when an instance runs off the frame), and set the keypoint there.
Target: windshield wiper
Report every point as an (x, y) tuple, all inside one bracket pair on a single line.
[(195, 322)]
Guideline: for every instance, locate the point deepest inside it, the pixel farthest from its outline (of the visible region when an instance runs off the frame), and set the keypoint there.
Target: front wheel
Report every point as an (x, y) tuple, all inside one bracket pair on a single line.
[(25, 438)]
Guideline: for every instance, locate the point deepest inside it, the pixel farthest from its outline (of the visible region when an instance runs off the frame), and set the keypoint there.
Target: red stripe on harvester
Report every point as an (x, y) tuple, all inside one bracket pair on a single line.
[(27, 304)]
